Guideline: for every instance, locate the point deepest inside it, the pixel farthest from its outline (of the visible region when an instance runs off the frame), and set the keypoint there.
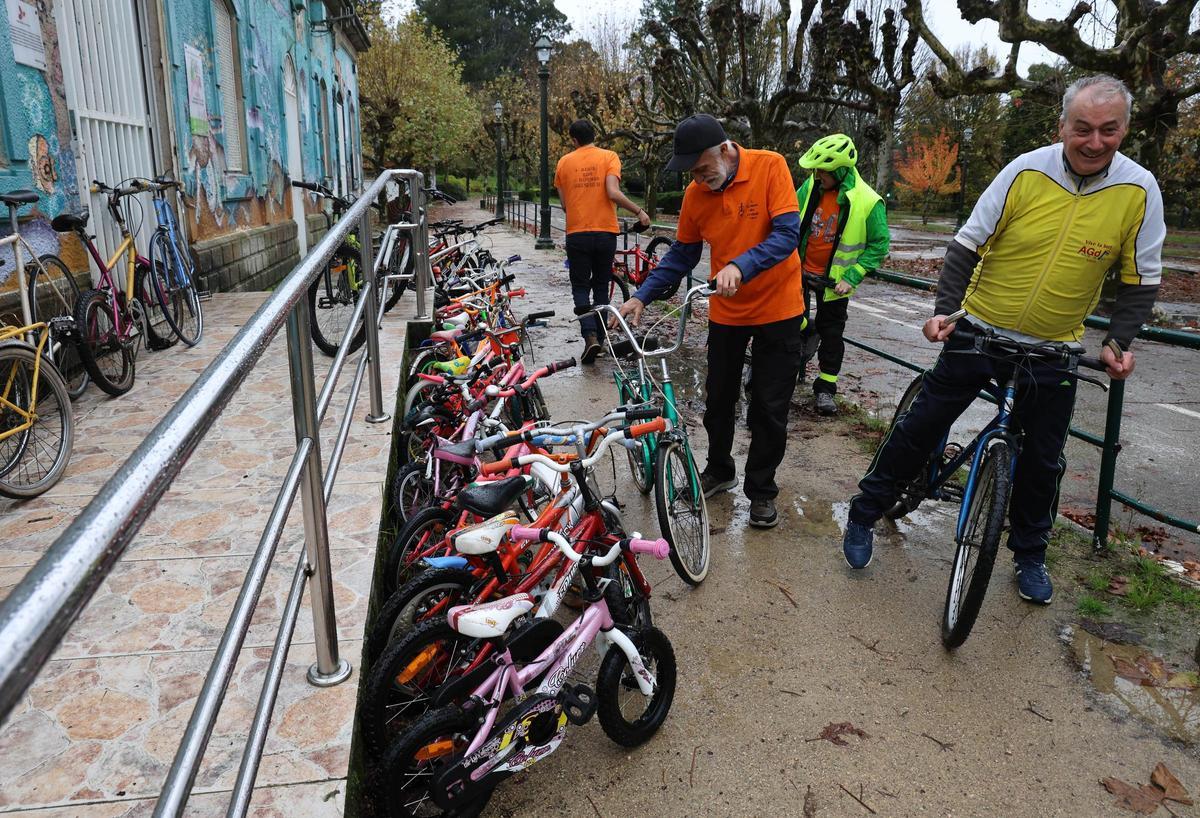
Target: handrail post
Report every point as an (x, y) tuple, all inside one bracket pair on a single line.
[(371, 319), (329, 668), (416, 195), (1108, 463)]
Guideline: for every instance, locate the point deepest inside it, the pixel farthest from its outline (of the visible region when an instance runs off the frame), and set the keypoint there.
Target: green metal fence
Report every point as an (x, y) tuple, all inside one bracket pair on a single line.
[(1109, 445)]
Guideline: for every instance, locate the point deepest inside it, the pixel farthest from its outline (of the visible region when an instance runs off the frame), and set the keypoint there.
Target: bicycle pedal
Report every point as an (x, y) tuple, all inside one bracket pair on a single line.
[(579, 703), (325, 303), (204, 295)]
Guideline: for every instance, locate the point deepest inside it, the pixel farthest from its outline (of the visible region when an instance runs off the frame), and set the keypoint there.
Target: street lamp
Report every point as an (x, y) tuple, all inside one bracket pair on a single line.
[(962, 188), (498, 108), (543, 47)]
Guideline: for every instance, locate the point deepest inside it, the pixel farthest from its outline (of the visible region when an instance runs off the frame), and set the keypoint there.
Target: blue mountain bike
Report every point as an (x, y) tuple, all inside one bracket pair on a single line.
[(991, 458), (174, 279)]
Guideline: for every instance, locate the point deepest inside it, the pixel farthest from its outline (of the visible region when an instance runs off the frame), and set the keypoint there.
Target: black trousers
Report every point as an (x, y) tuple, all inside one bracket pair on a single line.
[(775, 358), (590, 261), (1045, 400), (826, 333)]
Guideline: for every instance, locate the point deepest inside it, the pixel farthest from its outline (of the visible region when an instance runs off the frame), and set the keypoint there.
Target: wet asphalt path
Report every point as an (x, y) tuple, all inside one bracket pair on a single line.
[(782, 641)]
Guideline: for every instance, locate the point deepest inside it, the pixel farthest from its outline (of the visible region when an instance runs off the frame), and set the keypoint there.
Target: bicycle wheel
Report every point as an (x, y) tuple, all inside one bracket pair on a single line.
[(404, 779), (411, 491), (175, 289), (641, 460), (427, 527), (627, 715), (656, 249), (34, 457), (401, 685), (682, 513), (401, 263), (108, 359), (434, 590), (976, 552), (912, 493), (52, 294), (617, 283), (159, 333), (331, 300)]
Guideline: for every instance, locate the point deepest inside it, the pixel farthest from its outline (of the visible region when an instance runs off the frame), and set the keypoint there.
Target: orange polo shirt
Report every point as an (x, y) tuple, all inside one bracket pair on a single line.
[(736, 219), (579, 178)]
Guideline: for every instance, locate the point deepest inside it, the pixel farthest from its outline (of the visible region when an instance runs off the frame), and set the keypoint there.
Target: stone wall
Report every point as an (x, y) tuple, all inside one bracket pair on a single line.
[(254, 259)]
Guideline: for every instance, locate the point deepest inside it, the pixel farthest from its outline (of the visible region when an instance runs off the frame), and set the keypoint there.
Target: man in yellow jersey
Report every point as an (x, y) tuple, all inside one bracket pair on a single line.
[(1029, 264), (588, 182), (743, 204)]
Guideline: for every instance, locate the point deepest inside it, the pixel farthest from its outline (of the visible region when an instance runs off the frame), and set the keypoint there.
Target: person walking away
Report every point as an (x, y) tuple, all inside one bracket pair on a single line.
[(1029, 264), (741, 202), (588, 183), (843, 237)]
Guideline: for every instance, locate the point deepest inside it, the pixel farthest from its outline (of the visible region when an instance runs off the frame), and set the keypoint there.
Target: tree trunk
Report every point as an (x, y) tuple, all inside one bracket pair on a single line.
[(883, 164), (651, 171)]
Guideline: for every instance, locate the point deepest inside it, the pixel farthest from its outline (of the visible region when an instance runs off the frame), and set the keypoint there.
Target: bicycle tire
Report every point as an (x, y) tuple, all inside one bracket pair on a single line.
[(656, 249), (175, 290), (400, 686), (108, 359), (411, 491), (402, 263), (682, 512), (641, 460), (406, 607), (911, 494), (53, 292), (433, 521), (617, 283), (401, 783), (331, 300), (158, 332), (981, 539), (615, 686), (26, 473)]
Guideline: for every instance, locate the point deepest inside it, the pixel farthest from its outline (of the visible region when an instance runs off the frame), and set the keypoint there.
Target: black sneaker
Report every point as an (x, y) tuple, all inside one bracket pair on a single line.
[(713, 485), (763, 514), (591, 348), (825, 404)]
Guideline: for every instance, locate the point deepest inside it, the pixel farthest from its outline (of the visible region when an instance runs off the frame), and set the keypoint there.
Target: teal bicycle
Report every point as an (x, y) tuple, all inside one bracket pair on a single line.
[(664, 462)]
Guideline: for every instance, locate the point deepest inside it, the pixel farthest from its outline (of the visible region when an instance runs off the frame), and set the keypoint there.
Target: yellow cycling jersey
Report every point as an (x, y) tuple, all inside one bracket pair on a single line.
[(1047, 238)]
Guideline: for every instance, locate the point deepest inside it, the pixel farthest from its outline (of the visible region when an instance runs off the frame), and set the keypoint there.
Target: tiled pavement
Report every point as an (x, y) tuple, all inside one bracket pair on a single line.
[(97, 731)]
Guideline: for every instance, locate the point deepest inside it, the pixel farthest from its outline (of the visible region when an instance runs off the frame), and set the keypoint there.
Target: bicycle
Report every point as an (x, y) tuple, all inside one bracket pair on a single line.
[(37, 427), (48, 290), (454, 757), (666, 463), (634, 265), (991, 458), (174, 268)]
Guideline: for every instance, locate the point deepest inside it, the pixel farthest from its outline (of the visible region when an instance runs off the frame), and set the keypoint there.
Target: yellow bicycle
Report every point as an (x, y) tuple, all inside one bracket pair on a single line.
[(37, 429)]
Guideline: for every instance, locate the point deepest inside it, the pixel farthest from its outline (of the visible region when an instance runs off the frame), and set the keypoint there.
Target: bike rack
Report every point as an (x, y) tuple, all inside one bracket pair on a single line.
[(40, 609)]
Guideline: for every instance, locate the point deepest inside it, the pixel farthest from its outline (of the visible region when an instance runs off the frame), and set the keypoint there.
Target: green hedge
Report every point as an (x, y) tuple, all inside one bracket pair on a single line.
[(670, 201)]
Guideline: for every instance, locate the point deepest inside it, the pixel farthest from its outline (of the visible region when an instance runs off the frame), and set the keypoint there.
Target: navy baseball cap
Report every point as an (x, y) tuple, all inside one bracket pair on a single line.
[(693, 136)]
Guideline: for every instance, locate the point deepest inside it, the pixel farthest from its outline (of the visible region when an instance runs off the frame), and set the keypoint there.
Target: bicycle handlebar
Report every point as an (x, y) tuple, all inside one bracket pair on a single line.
[(659, 548), (987, 342), (503, 440), (706, 288)]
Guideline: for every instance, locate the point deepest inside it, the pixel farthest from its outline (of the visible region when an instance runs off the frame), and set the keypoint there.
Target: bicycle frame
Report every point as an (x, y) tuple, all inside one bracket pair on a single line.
[(128, 249), (167, 223), (28, 416)]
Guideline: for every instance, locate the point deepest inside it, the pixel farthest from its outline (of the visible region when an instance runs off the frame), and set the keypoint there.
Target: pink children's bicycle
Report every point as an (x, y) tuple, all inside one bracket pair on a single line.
[(452, 758)]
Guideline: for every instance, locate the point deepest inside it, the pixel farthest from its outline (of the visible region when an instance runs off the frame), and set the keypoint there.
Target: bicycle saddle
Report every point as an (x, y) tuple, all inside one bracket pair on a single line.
[(463, 448), (490, 498), (485, 537), (489, 620), (18, 197), (68, 222)]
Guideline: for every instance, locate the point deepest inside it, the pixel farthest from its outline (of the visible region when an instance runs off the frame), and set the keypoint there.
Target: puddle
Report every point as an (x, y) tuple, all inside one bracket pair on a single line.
[(1135, 679)]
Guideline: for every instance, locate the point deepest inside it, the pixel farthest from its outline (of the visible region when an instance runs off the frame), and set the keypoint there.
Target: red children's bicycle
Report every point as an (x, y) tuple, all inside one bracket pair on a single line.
[(633, 264)]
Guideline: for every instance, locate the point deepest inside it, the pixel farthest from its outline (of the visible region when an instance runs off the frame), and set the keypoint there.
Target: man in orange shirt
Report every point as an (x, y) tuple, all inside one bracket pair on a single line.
[(743, 203), (588, 182)]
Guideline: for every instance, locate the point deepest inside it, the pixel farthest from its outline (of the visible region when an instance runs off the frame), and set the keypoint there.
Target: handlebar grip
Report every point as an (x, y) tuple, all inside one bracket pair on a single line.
[(538, 316), (517, 293), (520, 532), (1092, 363), (560, 365), (660, 549), (644, 413), (659, 424), (508, 279), (497, 467), (511, 259)]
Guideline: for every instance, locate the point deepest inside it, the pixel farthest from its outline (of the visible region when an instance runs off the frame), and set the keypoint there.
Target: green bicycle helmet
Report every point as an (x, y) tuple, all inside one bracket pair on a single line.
[(830, 153)]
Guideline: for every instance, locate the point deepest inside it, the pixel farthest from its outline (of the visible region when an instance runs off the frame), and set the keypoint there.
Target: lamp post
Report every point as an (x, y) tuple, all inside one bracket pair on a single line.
[(543, 47), (498, 108), (962, 188)]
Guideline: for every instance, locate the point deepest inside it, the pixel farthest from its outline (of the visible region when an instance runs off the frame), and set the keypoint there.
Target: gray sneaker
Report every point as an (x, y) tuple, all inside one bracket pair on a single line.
[(763, 514), (591, 348), (713, 485), (825, 404)]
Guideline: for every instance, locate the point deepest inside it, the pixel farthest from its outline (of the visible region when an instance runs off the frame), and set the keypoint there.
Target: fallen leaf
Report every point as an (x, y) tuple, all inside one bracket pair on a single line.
[(1188, 680), (1144, 799), (1116, 585), (834, 731), (1166, 781)]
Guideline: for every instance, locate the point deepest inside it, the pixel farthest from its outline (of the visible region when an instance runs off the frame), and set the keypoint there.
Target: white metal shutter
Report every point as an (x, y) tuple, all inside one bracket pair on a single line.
[(231, 103)]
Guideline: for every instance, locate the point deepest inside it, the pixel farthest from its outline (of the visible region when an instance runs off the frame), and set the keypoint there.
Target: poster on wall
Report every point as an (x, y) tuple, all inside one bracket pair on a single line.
[(26, 32), (197, 106)]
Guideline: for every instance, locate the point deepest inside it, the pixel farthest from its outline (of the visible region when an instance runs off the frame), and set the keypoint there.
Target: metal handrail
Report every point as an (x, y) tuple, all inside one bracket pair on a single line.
[(40, 609)]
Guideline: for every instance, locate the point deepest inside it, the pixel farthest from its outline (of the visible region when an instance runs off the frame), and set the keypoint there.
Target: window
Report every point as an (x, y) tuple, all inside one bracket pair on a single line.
[(229, 81), (326, 163)]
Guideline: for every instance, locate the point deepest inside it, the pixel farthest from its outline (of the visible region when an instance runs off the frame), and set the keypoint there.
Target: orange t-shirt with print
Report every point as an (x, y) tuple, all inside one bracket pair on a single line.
[(734, 220), (580, 177), (821, 233)]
